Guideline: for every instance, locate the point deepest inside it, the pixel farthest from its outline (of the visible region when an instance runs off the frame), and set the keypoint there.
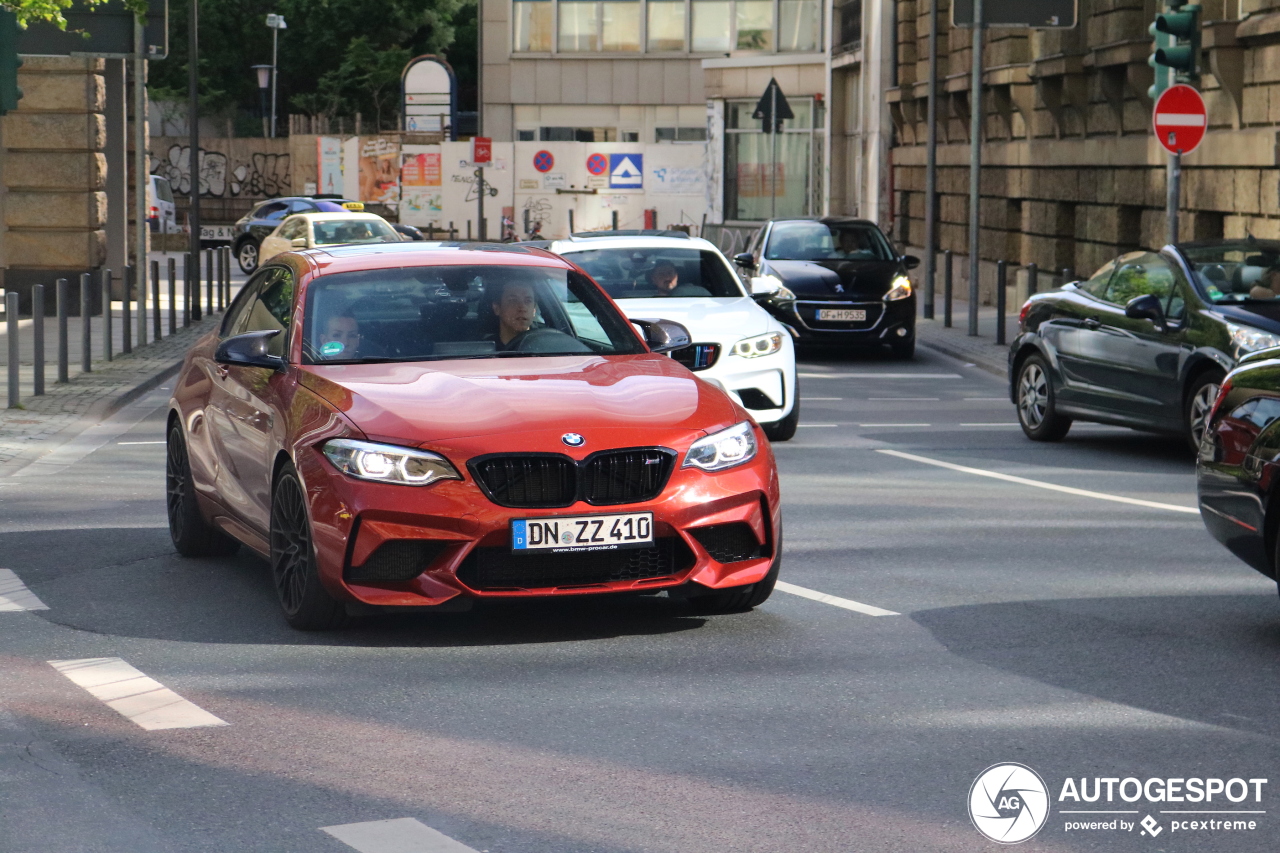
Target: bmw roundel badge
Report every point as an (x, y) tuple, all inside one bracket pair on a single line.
[(573, 439)]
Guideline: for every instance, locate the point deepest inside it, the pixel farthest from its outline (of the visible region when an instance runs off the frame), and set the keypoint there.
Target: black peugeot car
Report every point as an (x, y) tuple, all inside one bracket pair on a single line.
[(1239, 461), (834, 281), (266, 216), (1146, 341)]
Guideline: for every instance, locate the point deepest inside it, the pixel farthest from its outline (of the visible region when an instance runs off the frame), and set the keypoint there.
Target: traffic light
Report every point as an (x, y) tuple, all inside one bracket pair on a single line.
[(1177, 47), (10, 94)]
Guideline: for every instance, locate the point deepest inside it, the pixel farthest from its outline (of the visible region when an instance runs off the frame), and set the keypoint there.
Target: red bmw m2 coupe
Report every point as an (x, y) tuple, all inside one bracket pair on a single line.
[(405, 426)]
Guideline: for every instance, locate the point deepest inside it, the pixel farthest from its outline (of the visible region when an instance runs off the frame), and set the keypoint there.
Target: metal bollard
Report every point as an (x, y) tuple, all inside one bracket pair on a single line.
[(209, 282), (173, 296), (222, 278), (1002, 299), (1068, 275), (1033, 279), (193, 285), (975, 295), (62, 295), (86, 323), (11, 327), (37, 340), (140, 285), (126, 335), (156, 329), (226, 281), (106, 319), (948, 282)]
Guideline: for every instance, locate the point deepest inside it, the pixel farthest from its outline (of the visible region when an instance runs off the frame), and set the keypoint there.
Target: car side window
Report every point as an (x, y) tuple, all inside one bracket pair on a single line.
[(1177, 307), (1139, 276), (272, 308), (239, 308), (1097, 283), (302, 207), (274, 212), (292, 228)]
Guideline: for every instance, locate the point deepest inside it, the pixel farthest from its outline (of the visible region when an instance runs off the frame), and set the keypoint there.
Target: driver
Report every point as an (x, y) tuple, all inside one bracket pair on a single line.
[(516, 308), (664, 278), (340, 337), (848, 244), (1268, 286)]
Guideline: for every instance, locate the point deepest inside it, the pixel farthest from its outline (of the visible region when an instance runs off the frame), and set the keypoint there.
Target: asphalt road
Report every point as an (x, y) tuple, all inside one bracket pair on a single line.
[(1076, 634)]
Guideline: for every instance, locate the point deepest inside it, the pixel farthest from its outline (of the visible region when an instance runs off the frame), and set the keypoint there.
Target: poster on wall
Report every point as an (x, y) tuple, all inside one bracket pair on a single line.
[(380, 171), (329, 165), (421, 197)]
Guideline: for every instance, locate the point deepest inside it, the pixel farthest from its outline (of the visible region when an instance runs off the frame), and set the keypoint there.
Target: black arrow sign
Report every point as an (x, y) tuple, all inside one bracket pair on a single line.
[(772, 109)]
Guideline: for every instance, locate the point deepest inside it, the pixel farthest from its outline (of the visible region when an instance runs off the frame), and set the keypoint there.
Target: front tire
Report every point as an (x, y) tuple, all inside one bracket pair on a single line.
[(784, 429), (904, 350), (247, 256), (192, 535), (1201, 395), (1037, 413), (307, 605)]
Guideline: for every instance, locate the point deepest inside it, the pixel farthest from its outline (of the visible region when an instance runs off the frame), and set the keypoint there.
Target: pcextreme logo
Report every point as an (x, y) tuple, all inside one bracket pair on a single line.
[(1009, 803)]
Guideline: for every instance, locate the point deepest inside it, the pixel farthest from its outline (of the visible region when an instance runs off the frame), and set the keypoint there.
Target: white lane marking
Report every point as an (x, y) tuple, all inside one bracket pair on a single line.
[(894, 425), (879, 375), (133, 695), (833, 600), (1009, 478), (401, 835), (14, 594), (991, 424), (821, 399), (903, 399), (124, 443), (819, 426), (990, 399)]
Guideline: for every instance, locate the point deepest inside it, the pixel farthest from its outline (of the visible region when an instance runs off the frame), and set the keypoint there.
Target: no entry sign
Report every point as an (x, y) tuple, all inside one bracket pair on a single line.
[(1180, 119)]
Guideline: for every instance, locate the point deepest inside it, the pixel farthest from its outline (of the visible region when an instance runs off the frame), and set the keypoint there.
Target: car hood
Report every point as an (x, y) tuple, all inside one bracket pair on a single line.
[(1261, 315), (420, 402), (708, 319), (835, 279)]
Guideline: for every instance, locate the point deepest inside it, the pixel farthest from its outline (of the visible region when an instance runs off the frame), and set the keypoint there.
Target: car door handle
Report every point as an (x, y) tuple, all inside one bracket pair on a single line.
[(1092, 323)]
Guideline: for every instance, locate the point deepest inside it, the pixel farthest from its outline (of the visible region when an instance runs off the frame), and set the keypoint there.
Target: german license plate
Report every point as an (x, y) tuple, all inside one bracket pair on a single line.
[(842, 315), (582, 532)]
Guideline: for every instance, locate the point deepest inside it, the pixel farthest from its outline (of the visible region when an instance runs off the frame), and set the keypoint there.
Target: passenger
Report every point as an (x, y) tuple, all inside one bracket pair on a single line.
[(1268, 285), (664, 278), (341, 337), (516, 308)]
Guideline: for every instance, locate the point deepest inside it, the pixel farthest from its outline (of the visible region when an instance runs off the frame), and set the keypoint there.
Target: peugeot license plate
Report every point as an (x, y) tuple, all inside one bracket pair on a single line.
[(842, 315), (582, 532)]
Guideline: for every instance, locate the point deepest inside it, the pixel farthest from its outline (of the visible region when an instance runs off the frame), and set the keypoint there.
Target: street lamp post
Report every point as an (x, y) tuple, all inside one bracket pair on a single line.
[(276, 23), (264, 83)]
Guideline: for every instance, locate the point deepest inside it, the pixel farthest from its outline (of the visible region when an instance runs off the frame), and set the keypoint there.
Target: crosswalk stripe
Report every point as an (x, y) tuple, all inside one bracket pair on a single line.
[(401, 835), (133, 695), (14, 594)]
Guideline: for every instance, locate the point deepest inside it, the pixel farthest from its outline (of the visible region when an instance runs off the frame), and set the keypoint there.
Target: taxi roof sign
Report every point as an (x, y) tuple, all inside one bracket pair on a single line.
[(353, 205)]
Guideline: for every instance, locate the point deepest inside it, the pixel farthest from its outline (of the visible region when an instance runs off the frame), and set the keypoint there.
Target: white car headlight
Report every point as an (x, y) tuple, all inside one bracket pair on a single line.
[(1246, 339), (387, 463), (723, 449), (900, 289), (757, 346)]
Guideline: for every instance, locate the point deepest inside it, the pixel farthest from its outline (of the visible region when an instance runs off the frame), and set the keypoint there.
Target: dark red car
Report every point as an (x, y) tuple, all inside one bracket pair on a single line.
[(398, 426)]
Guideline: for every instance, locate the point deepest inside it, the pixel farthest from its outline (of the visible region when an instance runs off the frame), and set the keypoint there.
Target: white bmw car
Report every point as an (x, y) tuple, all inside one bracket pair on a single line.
[(736, 343)]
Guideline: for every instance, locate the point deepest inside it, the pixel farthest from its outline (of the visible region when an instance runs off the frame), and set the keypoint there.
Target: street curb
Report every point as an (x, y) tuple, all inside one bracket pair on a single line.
[(994, 368)]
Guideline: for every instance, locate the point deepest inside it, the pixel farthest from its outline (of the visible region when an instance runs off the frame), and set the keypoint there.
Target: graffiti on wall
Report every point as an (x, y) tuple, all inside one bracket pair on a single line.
[(261, 176)]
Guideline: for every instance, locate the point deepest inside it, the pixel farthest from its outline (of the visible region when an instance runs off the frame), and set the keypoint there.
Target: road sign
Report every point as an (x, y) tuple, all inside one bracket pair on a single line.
[(597, 164), (1039, 14), (543, 161), (481, 150), (771, 100), (1180, 119), (626, 171)]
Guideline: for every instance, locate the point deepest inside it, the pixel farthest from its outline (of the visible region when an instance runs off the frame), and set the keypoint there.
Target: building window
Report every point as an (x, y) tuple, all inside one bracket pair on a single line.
[(680, 134), (579, 23), (666, 25), (849, 25), (799, 25), (755, 24), (620, 26), (711, 20), (576, 134), (630, 136), (755, 185), (533, 25), (525, 135)]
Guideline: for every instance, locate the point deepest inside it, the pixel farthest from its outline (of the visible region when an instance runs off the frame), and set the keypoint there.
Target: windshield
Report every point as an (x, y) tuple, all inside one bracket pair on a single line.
[(446, 312), (333, 231), (1238, 271), (645, 273), (822, 241)]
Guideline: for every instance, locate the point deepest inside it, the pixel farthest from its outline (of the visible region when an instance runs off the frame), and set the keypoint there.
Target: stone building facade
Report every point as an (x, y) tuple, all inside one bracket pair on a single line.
[(1072, 173)]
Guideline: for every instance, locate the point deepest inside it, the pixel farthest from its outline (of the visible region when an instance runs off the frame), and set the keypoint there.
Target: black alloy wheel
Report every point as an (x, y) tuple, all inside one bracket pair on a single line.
[(1036, 412), (306, 604), (247, 256), (785, 429), (192, 535), (738, 599), (1202, 393)]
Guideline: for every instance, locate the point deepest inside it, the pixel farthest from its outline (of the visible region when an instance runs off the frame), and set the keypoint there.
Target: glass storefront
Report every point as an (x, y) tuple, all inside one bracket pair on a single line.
[(756, 185)]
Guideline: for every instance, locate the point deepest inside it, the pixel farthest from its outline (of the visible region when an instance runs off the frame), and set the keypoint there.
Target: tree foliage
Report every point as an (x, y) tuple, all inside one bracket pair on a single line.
[(50, 11), (337, 56)]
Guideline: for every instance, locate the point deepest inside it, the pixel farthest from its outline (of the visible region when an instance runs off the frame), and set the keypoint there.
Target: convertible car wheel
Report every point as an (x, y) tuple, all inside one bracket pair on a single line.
[(1036, 413), (1200, 399), (191, 534), (307, 606)]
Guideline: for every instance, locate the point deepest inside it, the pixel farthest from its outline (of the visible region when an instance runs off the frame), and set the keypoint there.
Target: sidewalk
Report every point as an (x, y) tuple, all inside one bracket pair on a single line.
[(956, 342)]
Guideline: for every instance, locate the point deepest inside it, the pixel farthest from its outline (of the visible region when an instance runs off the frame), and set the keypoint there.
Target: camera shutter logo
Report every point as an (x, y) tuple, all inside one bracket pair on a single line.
[(1008, 803)]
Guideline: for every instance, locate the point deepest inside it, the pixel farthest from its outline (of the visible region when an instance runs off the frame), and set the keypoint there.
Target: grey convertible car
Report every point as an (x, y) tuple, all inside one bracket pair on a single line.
[(1146, 340)]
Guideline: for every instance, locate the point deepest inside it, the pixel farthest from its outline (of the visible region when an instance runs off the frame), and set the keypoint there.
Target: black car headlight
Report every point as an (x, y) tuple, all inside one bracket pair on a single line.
[(900, 288), (387, 463), (723, 449)]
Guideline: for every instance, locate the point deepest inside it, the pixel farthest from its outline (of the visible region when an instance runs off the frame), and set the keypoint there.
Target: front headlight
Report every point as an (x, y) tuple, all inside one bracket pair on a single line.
[(723, 449), (900, 288), (1246, 339), (758, 345), (387, 463)]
